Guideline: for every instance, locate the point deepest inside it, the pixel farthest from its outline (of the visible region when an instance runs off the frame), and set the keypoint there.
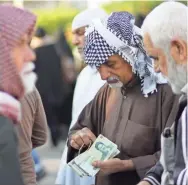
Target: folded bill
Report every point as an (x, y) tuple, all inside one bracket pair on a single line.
[(102, 149)]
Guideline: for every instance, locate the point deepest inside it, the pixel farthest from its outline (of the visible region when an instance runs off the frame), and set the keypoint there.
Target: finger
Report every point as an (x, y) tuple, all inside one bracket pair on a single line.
[(85, 138), (77, 139), (97, 164), (89, 133), (106, 164), (74, 145)]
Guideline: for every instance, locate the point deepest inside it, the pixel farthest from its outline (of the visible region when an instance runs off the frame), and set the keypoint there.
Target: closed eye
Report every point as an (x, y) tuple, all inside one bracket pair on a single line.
[(110, 65)]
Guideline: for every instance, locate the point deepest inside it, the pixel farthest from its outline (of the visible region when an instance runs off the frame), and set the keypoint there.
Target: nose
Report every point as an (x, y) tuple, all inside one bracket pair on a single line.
[(75, 40), (104, 72)]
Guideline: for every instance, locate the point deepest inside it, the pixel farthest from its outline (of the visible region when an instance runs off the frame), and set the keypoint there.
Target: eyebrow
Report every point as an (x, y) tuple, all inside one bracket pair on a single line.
[(110, 61)]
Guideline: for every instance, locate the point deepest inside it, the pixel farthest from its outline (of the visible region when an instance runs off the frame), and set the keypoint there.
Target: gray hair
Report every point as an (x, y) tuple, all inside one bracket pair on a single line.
[(166, 22)]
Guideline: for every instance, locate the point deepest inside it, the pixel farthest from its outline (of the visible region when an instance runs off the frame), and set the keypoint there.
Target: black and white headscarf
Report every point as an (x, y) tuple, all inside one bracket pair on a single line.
[(117, 34)]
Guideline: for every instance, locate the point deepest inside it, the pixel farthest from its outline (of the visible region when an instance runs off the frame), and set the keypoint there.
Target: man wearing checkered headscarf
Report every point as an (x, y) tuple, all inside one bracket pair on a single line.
[(130, 114), (16, 79), (119, 35)]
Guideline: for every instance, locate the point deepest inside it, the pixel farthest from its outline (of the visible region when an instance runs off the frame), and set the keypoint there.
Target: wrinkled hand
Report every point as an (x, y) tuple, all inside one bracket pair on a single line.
[(114, 165), (83, 136), (144, 183), (109, 166)]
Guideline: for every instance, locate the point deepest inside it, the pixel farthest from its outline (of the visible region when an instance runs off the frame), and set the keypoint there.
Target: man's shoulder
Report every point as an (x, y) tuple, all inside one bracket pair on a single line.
[(166, 91), (31, 99), (6, 120), (164, 88)]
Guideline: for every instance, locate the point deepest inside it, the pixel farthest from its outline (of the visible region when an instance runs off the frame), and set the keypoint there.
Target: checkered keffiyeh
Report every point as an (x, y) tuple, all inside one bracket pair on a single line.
[(101, 51), (14, 23), (118, 35)]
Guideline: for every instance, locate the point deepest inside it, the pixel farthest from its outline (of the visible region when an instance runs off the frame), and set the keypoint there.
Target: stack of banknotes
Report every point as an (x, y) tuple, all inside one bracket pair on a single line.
[(102, 149)]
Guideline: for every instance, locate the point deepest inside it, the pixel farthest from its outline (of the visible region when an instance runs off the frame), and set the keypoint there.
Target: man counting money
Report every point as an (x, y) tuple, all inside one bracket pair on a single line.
[(131, 110)]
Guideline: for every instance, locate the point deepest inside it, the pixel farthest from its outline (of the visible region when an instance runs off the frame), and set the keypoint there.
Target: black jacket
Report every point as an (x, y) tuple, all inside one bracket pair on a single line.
[(10, 173)]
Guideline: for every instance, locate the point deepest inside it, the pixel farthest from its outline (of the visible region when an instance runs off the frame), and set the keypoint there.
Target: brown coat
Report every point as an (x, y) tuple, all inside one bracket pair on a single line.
[(32, 133), (134, 123)]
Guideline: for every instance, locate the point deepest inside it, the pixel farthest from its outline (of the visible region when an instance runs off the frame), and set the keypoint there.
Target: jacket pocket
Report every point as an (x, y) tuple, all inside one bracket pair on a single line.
[(138, 140)]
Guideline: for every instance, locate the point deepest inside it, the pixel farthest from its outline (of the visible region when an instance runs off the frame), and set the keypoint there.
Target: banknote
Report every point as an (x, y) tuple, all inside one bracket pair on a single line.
[(102, 149), (114, 154)]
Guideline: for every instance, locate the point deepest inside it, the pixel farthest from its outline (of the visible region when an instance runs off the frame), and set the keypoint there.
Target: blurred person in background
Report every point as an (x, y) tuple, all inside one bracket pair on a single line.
[(41, 38), (166, 41), (131, 109), (16, 79), (53, 84), (87, 85), (32, 133), (69, 79)]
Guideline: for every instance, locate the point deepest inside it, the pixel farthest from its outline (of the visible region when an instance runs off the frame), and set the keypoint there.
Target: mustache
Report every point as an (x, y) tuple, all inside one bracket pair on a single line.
[(113, 78)]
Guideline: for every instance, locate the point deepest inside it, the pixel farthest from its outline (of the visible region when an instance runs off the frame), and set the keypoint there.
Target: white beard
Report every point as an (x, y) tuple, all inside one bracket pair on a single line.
[(177, 75), (28, 77)]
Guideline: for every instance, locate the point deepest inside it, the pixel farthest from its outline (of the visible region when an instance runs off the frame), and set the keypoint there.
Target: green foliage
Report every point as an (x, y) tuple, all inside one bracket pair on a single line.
[(52, 19), (134, 7)]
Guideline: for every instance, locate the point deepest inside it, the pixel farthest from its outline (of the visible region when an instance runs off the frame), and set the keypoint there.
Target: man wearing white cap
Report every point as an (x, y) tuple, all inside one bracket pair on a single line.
[(88, 84)]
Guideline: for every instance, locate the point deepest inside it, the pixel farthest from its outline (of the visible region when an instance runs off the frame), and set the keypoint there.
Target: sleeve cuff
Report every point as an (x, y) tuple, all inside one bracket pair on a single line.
[(151, 180), (182, 179)]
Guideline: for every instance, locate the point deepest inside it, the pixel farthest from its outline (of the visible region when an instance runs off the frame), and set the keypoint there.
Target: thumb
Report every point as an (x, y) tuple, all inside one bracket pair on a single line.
[(97, 164)]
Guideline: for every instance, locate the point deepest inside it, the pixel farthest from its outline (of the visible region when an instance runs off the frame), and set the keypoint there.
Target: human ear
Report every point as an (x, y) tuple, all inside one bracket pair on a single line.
[(178, 50)]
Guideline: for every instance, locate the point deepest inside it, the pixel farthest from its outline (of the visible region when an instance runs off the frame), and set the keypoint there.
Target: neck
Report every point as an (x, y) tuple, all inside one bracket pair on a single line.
[(132, 82)]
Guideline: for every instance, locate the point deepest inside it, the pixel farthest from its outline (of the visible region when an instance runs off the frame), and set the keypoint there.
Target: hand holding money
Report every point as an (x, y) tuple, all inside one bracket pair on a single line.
[(83, 136), (101, 150), (114, 165), (109, 166)]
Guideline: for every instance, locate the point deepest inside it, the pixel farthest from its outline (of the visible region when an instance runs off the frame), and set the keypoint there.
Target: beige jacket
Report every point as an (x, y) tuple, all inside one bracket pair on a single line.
[(32, 133)]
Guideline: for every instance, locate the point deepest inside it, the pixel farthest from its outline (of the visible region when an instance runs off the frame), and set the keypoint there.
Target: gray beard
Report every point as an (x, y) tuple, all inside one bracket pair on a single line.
[(116, 85), (177, 75)]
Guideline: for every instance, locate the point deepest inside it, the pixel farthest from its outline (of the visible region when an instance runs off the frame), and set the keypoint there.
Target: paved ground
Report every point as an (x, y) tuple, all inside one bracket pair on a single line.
[(50, 158)]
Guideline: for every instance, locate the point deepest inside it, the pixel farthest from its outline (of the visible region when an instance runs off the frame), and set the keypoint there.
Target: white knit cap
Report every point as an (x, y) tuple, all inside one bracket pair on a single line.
[(85, 17)]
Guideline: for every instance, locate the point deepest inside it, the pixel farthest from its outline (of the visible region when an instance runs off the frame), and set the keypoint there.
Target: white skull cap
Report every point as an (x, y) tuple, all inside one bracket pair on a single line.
[(85, 17)]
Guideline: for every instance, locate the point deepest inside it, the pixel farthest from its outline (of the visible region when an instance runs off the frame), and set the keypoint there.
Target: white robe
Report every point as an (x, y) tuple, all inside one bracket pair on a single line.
[(88, 84)]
